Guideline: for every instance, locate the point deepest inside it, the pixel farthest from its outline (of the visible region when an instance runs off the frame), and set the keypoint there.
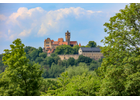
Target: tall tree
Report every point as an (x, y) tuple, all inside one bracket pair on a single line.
[(20, 78), (91, 44), (121, 66)]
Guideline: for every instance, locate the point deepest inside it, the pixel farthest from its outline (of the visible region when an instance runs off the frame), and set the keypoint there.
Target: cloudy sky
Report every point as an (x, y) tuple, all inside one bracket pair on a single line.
[(34, 22)]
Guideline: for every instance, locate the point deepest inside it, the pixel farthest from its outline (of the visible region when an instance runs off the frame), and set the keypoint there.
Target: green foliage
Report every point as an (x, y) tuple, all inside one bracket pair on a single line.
[(43, 55), (77, 70), (71, 61), (49, 60), (65, 63), (82, 58), (53, 54), (55, 71), (47, 85), (91, 44), (93, 66), (20, 78), (79, 85), (82, 85), (40, 50), (120, 69), (34, 54), (29, 49), (64, 49), (39, 59), (56, 59), (76, 48)]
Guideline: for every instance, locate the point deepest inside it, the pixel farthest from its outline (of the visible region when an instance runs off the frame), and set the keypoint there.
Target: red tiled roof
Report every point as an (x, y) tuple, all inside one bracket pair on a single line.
[(60, 43), (49, 51), (55, 42), (52, 51), (79, 44), (73, 42)]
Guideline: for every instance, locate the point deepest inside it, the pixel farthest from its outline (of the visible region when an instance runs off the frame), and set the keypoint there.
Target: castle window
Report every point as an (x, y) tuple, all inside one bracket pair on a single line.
[(47, 45), (47, 42)]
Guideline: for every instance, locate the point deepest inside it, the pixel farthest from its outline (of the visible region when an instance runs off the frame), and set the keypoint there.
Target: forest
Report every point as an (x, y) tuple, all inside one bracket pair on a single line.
[(52, 65), (28, 71)]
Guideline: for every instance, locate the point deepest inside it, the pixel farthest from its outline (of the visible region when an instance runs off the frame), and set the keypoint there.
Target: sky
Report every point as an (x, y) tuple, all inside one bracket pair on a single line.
[(35, 22)]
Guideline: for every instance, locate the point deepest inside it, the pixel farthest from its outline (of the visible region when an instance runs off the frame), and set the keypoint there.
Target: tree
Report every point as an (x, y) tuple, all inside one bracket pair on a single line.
[(53, 54), (91, 44), (77, 70), (65, 63), (120, 68), (82, 58), (43, 54), (93, 66), (49, 60), (29, 49), (40, 50), (34, 54), (81, 85), (20, 78), (76, 48), (64, 49), (99, 46), (55, 70), (71, 61), (39, 60)]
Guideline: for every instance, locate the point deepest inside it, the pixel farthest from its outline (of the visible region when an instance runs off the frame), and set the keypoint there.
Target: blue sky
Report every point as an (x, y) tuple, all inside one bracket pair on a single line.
[(34, 22)]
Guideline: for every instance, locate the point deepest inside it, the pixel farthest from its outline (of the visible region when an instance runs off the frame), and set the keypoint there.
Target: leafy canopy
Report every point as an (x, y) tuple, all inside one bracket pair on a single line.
[(20, 78), (120, 69)]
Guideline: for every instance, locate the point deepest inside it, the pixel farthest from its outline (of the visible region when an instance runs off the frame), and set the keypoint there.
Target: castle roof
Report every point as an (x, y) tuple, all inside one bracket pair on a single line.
[(73, 42), (55, 43), (79, 44), (91, 49), (61, 43)]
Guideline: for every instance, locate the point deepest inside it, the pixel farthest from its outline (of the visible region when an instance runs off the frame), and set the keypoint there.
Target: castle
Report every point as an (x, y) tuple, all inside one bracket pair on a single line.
[(50, 45)]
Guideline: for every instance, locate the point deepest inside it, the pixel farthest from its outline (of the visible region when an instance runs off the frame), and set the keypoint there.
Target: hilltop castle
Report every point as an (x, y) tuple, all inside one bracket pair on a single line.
[(50, 45)]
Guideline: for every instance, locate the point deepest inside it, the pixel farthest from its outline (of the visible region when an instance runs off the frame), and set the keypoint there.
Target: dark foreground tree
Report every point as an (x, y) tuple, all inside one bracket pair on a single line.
[(120, 68), (20, 78)]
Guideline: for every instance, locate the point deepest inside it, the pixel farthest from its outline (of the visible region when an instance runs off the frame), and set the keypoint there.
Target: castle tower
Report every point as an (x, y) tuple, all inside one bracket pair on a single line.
[(67, 36)]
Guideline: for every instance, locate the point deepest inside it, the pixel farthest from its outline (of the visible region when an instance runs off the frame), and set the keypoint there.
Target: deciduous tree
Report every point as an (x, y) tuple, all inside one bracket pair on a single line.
[(121, 65), (20, 78)]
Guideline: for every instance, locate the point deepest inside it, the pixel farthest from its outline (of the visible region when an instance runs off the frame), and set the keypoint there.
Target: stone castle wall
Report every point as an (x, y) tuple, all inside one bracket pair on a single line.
[(66, 57), (95, 56)]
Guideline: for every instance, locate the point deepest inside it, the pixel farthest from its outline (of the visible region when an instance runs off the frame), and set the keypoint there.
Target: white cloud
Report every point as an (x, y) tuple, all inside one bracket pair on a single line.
[(9, 31), (25, 33), (12, 37), (42, 31), (2, 17), (42, 22)]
